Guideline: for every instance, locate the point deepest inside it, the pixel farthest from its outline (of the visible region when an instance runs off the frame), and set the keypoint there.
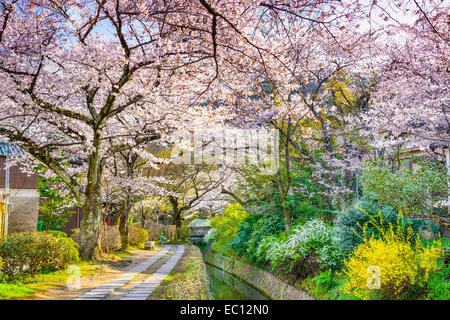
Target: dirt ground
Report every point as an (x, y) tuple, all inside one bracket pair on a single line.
[(107, 270)]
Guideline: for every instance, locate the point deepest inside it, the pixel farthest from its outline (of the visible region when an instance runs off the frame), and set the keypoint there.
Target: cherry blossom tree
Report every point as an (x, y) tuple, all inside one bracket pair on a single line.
[(86, 79), (411, 99), (410, 104)]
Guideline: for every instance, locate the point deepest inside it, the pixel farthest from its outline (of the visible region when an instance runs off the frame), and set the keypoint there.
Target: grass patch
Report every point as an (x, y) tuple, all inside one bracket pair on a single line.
[(27, 287), (188, 281)]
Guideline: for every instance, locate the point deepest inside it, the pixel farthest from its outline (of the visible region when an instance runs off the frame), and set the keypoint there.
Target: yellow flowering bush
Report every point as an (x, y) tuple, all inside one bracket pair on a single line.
[(396, 265)]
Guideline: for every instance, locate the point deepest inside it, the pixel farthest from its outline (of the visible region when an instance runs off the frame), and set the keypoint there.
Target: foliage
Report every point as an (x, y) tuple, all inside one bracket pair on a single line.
[(227, 225), (327, 285), (412, 192), (350, 222), (266, 225), (240, 242), (439, 284), (183, 233), (404, 264), (138, 236), (31, 252), (57, 233), (54, 203), (263, 196), (265, 245), (253, 230), (311, 248)]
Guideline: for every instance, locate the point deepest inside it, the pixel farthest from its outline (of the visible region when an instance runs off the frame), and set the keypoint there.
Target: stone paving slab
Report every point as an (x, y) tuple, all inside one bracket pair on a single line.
[(103, 290), (145, 289)]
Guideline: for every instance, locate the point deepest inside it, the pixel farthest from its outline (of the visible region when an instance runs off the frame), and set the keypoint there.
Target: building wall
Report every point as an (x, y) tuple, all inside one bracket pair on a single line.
[(17, 178), (24, 198), (25, 211)]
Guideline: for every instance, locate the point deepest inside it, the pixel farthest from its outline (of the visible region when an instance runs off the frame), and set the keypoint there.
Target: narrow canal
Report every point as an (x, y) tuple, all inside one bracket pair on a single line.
[(225, 286)]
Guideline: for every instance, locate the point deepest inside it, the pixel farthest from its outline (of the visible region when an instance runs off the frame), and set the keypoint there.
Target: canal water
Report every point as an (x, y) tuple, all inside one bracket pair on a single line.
[(225, 286)]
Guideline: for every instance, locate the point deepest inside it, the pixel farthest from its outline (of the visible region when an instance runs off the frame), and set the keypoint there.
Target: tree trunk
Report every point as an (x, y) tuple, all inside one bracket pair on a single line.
[(177, 218), (92, 211), (176, 211), (124, 223), (287, 218), (90, 226)]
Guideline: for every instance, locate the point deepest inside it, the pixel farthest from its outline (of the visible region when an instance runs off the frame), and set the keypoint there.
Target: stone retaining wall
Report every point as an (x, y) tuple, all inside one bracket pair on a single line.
[(263, 280)]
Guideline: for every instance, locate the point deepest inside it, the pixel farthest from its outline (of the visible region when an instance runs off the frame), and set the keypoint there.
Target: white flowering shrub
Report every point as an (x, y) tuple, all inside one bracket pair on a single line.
[(312, 247), (264, 246), (210, 236)]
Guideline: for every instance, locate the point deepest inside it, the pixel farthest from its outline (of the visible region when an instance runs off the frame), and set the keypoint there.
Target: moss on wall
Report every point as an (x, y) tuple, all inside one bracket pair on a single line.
[(263, 280)]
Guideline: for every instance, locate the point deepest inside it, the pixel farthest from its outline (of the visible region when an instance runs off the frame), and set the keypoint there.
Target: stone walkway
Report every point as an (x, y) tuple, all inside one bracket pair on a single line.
[(143, 289)]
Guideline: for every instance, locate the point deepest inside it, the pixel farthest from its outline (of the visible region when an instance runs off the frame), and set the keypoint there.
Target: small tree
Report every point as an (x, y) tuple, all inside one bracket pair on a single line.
[(55, 201)]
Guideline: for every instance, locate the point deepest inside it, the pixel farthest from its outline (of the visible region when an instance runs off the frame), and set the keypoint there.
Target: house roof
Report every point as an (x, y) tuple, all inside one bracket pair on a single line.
[(9, 148)]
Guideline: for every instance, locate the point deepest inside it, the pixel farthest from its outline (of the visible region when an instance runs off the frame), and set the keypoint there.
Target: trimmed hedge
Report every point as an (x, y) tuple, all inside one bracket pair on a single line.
[(57, 233), (32, 252), (138, 236)]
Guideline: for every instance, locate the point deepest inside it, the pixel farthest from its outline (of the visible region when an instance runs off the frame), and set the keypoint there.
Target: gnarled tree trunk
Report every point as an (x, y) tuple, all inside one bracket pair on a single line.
[(92, 211)]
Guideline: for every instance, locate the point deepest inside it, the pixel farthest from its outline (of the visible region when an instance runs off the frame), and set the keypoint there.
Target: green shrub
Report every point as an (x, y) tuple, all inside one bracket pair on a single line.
[(57, 233), (138, 236), (252, 231), (350, 222), (410, 191), (266, 244), (439, 284), (265, 226), (227, 225), (183, 233), (327, 216), (240, 242), (14, 256), (32, 252)]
